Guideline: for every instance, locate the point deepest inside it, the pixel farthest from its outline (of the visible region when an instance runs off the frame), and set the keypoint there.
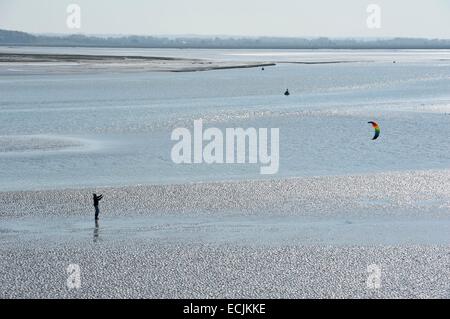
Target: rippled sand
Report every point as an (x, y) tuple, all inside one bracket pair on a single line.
[(141, 269), (34, 143)]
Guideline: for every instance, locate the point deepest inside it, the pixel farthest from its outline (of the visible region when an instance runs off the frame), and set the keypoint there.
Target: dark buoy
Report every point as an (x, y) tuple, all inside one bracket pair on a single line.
[(262, 69), (287, 92)]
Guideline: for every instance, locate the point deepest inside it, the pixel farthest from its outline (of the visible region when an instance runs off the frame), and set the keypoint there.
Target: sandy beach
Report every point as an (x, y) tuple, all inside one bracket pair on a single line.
[(294, 238)]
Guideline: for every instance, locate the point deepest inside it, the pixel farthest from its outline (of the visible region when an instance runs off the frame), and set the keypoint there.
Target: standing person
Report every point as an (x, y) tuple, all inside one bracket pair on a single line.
[(96, 200)]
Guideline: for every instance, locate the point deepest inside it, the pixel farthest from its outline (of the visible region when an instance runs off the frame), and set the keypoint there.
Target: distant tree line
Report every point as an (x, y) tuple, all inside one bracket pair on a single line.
[(22, 38)]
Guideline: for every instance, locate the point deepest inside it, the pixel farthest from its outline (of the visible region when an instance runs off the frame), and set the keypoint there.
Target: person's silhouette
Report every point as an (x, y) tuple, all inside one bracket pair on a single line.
[(96, 200)]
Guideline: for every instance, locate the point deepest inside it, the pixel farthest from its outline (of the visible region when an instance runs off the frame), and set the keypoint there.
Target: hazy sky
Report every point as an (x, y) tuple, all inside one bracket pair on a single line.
[(332, 18)]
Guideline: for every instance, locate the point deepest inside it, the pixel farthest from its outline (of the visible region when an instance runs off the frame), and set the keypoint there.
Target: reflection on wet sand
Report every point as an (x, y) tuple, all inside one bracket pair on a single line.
[(96, 231)]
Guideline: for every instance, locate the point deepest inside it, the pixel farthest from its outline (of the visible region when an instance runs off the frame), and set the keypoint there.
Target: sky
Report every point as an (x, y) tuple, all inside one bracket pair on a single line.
[(287, 18)]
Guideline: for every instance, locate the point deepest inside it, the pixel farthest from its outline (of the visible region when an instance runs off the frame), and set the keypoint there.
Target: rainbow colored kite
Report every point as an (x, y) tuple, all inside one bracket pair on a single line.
[(376, 128)]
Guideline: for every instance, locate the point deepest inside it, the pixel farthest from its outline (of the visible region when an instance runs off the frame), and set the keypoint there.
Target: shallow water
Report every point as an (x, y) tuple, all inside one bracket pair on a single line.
[(113, 129)]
